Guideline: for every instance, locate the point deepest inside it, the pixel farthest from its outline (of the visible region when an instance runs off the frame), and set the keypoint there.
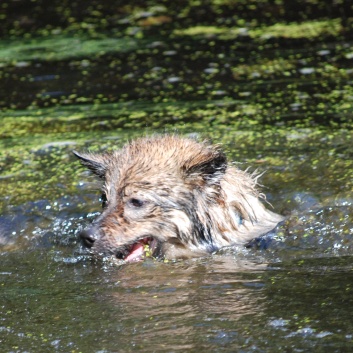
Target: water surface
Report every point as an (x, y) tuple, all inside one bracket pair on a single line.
[(272, 82)]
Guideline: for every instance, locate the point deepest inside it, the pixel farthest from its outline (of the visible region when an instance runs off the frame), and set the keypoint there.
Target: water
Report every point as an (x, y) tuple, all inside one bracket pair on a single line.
[(221, 303), (271, 82)]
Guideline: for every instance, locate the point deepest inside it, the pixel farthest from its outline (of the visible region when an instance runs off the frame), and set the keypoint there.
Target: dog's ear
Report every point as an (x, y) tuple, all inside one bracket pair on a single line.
[(96, 163), (207, 165)]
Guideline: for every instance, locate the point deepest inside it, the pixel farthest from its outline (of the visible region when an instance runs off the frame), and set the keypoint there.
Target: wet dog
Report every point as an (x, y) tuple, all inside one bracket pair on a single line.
[(173, 197)]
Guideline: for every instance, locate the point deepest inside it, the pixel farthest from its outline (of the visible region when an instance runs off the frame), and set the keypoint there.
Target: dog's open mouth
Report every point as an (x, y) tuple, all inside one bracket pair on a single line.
[(138, 251)]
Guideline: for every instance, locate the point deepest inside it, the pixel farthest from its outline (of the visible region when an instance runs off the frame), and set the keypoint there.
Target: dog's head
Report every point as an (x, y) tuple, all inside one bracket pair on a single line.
[(170, 197), (151, 189)]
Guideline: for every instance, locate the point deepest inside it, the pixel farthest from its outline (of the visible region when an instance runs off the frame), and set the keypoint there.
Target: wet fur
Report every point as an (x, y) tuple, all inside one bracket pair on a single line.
[(181, 192)]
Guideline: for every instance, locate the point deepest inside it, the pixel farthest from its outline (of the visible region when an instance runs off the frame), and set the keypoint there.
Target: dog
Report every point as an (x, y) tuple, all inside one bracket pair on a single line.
[(173, 197)]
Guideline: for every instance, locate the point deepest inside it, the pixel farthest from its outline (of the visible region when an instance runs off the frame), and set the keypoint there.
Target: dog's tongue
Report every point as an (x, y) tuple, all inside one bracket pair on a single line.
[(144, 247), (137, 251)]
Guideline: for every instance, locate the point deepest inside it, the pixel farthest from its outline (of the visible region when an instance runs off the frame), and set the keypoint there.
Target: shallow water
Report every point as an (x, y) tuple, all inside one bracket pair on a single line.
[(271, 82)]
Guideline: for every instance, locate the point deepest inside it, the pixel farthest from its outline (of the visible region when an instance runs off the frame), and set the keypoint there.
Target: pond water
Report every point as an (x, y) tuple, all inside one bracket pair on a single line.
[(270, 81)]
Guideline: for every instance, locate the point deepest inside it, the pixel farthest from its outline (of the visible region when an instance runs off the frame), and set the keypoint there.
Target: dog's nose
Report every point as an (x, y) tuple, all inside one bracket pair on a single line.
[(88, 237)]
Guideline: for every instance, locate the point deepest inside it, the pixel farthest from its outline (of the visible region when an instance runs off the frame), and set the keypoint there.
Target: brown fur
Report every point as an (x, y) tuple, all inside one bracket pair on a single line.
[(176, 194)]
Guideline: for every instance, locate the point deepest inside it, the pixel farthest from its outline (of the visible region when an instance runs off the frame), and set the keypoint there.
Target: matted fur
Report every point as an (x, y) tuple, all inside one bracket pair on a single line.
[(179, 194)]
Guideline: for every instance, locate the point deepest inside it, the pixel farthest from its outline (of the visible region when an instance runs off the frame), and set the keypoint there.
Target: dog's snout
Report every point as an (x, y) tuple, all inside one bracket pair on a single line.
[(88, 237)]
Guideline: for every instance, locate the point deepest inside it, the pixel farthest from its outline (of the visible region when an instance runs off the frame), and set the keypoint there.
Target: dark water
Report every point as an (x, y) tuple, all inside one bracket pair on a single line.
[(271, 81)]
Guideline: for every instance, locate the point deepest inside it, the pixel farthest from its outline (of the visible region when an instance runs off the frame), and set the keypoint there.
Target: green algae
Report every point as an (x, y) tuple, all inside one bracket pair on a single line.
[(43, 164), (303, 30), (264, 69), (61, 47), (238, 83), (307, 29)]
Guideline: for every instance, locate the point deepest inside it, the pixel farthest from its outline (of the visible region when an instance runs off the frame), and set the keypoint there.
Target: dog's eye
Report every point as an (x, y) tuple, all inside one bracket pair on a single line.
[(103, 199), (137, 203)]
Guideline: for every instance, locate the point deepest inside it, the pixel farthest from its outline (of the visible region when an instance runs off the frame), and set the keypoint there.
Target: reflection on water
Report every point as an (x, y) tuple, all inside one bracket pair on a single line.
[(218, 303), (270, 81)]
